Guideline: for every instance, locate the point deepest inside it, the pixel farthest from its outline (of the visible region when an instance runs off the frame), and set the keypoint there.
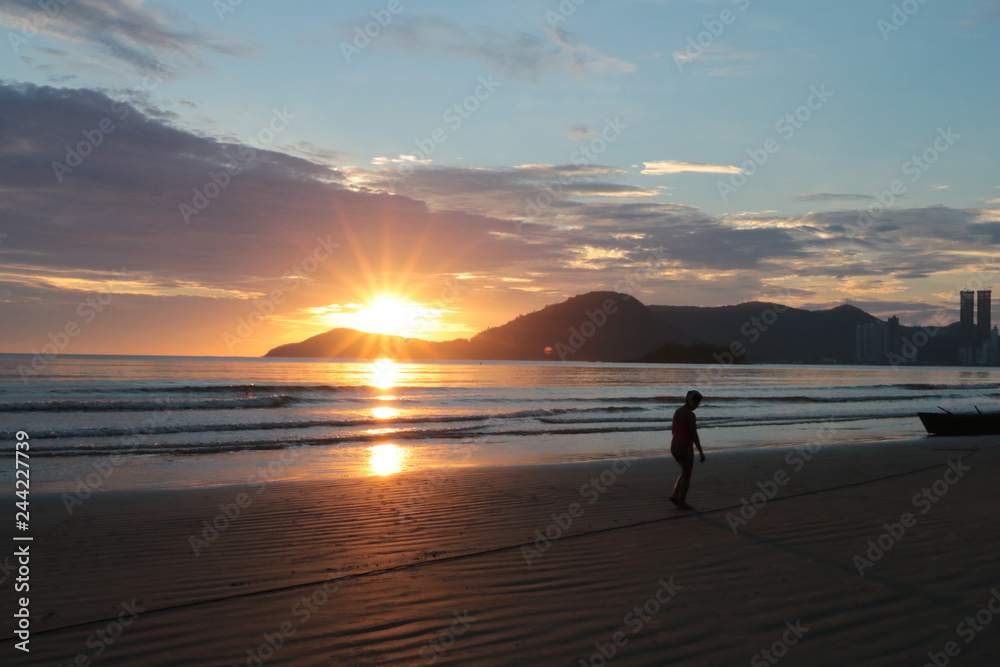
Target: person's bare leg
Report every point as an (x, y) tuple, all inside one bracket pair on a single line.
[(677, 488), (683, 482)]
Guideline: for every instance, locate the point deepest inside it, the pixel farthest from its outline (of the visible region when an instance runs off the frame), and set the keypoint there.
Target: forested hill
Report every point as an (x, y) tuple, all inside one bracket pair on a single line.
[(611, 326)]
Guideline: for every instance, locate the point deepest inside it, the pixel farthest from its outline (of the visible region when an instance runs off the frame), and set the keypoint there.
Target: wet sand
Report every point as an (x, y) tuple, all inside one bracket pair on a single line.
[(847, 554)]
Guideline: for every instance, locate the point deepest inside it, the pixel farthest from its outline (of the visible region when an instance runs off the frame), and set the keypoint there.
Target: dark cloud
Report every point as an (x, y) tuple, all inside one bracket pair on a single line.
[(989, 232), (706, 243), (534, 192), (955, 226), (638, 213), (127, 33), (121, 204)]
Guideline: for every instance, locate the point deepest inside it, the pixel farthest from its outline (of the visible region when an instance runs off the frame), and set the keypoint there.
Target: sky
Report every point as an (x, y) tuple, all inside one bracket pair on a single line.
[(217, 178)]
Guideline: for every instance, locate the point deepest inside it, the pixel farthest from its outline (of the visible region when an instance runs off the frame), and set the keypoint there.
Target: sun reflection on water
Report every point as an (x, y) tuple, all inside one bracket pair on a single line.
[(384, 373), (385, 412), (386, 459)]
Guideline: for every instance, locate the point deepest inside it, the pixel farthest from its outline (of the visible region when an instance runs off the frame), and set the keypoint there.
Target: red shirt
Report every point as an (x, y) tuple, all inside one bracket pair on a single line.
[(683, 428)]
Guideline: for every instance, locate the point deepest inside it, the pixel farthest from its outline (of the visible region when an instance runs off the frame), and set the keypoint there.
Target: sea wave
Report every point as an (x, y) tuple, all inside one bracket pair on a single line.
[(187, 448), (276, 401), (142, 446), (925, 386), (245, 390), (166, 429), (319, 422)]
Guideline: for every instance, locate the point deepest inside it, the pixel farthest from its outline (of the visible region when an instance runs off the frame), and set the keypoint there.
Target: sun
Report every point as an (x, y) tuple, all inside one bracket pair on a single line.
[(384, 313), (388, 315)]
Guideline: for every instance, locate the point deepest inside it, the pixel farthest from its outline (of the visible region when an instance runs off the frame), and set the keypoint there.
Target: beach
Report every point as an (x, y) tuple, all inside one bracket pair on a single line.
[(835, 554), (365, 334)]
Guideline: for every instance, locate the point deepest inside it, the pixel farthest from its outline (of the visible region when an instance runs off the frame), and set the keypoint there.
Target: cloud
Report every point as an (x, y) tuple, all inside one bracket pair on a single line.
[(660, 167), (720, 60), (514, 53), (126, 33), (584, 58), (511, 193), (120, 206), (401, 160), (826, 196), (945, 227), (608, 190), (580, 132), (121, 282), (312, 151), (397, 225)]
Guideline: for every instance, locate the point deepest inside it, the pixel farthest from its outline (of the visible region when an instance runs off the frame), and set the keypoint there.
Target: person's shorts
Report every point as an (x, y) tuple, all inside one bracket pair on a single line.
[(682, 455)]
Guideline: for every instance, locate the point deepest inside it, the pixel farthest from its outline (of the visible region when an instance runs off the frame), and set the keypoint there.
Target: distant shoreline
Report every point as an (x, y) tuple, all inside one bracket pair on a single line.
[(29, 355)]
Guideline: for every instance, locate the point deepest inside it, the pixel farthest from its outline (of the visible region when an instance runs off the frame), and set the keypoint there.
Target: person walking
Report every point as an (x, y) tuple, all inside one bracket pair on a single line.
[(685, 439)]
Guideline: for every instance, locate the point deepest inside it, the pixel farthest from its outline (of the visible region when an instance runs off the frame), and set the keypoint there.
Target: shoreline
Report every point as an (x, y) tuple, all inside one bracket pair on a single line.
[(542, 579), (113, 472)]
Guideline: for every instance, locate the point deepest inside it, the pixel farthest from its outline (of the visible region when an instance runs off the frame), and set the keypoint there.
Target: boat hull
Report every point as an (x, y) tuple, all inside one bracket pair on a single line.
[(942, 423)]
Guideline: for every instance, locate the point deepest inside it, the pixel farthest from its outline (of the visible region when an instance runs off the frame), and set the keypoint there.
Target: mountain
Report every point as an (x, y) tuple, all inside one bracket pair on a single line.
[(597, 326), (611, 326), (931, 345), (772, 333)]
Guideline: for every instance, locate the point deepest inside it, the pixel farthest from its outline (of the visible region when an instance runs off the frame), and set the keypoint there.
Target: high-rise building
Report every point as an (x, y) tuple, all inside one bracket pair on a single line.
[(871, 343), (983, 323), (895, 342), (966, 330)]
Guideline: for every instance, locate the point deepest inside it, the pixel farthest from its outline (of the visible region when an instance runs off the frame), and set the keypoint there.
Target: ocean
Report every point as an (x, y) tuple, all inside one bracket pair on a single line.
[(168, 422)]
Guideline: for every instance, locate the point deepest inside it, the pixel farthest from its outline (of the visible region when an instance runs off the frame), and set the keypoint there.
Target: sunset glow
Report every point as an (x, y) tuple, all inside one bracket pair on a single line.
[(389, 316), (394, 316), (507, 179), (423, 269)]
